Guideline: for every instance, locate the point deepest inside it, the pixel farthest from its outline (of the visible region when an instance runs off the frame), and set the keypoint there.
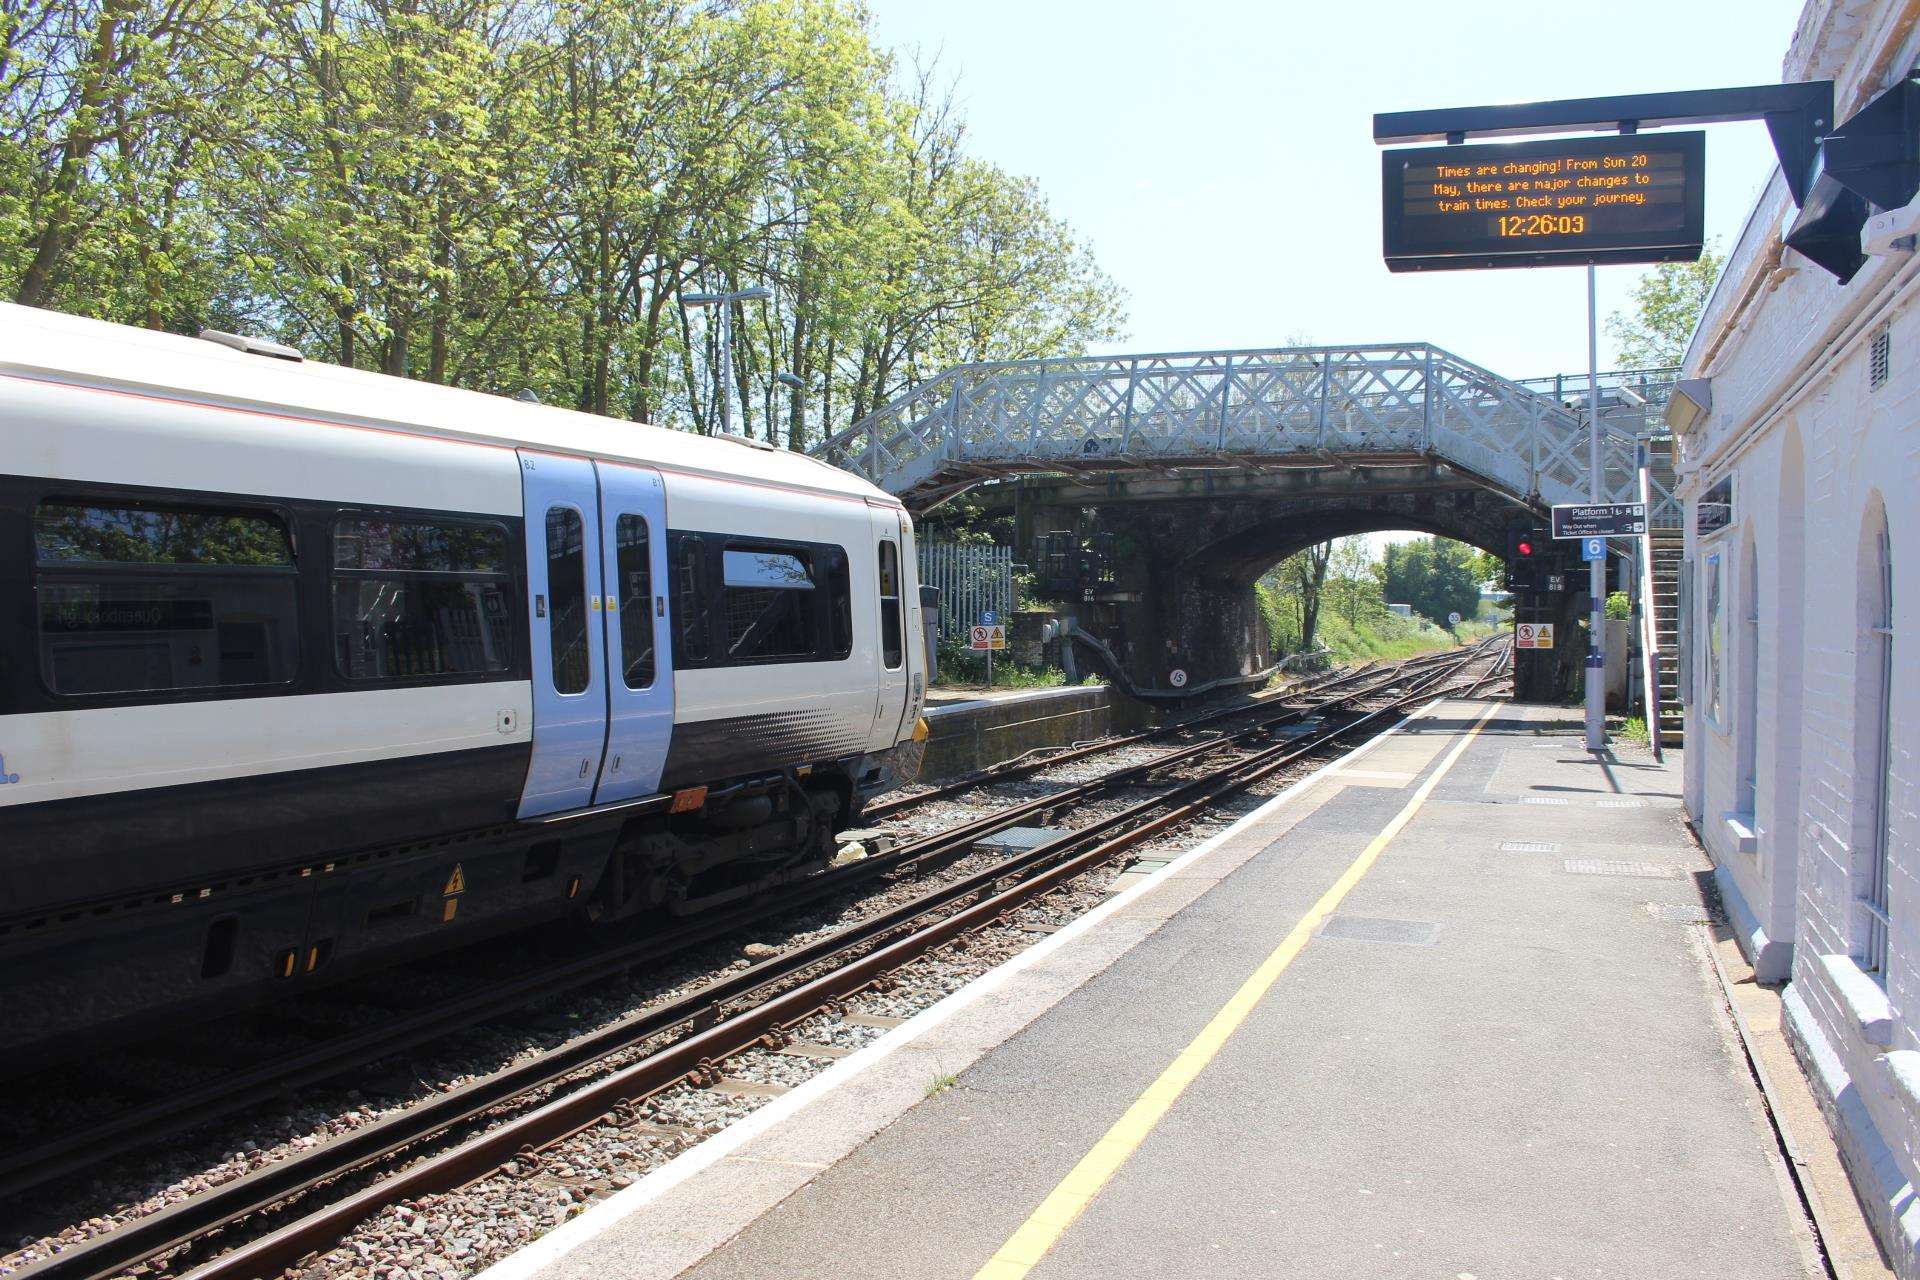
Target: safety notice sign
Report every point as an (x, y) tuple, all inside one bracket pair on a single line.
[(988, 638), (1533, 635)]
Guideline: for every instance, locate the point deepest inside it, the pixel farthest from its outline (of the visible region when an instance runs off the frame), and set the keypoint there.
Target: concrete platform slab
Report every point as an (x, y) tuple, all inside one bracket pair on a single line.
[(1458, 1059)]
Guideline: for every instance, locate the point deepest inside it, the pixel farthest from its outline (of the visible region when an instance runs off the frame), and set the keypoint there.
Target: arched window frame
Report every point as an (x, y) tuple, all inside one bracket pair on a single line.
[(1876, 852), (1746, 717)]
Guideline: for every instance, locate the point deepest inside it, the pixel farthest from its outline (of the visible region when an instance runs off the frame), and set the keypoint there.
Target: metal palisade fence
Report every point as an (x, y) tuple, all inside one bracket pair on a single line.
[(972, 579)]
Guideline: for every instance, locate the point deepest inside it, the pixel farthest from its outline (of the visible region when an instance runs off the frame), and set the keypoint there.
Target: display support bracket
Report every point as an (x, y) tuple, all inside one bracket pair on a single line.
[(1797, 117)]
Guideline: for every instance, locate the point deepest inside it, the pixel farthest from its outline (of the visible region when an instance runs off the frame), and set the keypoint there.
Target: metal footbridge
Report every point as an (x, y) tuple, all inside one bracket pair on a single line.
[(1289, 407)]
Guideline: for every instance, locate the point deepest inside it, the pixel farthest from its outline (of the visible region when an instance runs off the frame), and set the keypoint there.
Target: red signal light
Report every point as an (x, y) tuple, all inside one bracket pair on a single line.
[(1524, 547)]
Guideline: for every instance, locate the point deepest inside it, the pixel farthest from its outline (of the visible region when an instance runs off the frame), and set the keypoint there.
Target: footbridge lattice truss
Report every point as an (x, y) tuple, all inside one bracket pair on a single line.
[(1191, 412)]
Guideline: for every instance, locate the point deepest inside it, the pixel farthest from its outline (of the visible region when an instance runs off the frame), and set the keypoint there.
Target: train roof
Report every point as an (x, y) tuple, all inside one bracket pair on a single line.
[(65, 348)]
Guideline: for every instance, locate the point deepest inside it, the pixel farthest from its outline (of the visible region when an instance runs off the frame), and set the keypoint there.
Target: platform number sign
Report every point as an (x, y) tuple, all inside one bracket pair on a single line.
[(1533, 635), (1592, 549), (989, 618), (1599, 520), (1177, 677)]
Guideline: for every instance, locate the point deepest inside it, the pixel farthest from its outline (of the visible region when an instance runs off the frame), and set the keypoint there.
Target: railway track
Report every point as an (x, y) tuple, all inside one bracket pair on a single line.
[(78, 1147), (1045, 758), (521, 1109)]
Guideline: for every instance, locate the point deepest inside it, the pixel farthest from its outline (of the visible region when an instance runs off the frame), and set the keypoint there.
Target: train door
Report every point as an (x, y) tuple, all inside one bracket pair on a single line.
[(916, 659), (891, 703), (633, 553), (564, 619)]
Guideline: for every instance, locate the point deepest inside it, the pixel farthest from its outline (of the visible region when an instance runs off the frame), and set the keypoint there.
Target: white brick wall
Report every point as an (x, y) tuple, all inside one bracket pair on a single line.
[(1786, 348)]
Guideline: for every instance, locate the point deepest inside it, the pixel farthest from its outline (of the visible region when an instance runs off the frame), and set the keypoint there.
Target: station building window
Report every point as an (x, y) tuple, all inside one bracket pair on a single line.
[(1713, 650), (1876, 679), (1746, 782), (419, 598), (137, 596)]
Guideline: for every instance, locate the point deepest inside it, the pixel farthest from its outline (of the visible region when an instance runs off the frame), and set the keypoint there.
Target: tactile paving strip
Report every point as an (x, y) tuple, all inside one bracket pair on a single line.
[(1611, 867)]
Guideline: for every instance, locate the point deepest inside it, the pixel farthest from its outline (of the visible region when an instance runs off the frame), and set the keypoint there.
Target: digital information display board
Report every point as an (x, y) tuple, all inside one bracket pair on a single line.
[(1630, 198)]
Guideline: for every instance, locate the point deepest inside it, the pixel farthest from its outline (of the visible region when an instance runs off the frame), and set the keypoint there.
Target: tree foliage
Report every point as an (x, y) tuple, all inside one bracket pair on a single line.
[(1295, 592), (516, 194), (1436, 576), (1667, 303)]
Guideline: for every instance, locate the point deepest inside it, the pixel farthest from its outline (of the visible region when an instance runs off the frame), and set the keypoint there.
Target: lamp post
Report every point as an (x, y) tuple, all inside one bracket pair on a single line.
[(725, 301), (796, 421)]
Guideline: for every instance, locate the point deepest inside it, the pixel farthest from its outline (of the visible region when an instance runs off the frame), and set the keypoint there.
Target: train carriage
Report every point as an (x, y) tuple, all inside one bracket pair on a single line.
[(304, 670)]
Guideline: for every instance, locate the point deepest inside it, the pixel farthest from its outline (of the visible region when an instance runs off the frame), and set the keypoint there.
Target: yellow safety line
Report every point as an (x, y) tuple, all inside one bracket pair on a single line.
[(1040, 1232)]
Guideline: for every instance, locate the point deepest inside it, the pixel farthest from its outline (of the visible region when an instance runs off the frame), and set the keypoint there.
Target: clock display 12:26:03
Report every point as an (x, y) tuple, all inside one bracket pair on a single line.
[(1542, 224)]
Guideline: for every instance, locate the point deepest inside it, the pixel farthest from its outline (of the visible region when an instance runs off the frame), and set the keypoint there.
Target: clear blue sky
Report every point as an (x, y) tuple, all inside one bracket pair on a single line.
[(1218, 156)]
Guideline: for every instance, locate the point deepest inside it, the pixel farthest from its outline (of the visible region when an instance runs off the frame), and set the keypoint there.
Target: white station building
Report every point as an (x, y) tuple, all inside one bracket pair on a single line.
[(1797, 442)]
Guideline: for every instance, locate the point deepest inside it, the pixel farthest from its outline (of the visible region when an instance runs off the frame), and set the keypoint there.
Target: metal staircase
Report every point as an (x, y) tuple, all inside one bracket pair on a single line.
[(1668, 551)]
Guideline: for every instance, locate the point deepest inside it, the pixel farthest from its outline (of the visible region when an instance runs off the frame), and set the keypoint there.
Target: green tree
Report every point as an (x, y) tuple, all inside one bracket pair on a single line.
[(1436, 576), (516, 194), (1351, 581), (105, 107), (1667, 303)]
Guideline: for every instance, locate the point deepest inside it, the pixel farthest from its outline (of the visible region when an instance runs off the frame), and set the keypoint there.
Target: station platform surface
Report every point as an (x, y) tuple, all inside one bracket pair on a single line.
[(1445, 1010)]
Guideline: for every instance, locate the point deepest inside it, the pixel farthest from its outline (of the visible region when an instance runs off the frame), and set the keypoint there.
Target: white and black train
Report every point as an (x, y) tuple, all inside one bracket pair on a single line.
[(304, 670)]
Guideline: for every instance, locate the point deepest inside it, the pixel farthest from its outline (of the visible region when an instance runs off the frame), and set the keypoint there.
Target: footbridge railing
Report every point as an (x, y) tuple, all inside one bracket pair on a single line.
[(1339, 406)]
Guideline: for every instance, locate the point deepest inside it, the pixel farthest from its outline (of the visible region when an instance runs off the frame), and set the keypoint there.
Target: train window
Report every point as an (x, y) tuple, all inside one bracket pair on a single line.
[(137, 597), (158, 534), (635, 590), (416, 598), (839, 604), (891, 648), (567, 593), (421, 546), (770, 608), (690, 644)]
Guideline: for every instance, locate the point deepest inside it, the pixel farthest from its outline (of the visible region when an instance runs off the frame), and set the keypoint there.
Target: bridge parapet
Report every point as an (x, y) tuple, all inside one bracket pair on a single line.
[(1293, 406)]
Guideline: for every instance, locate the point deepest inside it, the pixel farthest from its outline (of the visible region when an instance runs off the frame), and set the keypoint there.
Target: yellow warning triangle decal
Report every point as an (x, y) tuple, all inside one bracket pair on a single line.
[(456, 883)]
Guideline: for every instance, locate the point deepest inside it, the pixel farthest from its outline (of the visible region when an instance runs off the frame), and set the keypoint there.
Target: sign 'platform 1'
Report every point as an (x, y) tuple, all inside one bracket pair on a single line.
[(1600, 520), (1631, 198)]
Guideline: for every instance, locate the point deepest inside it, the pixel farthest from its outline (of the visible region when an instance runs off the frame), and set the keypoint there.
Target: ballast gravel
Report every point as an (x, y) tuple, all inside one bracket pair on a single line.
[(460, 1233)]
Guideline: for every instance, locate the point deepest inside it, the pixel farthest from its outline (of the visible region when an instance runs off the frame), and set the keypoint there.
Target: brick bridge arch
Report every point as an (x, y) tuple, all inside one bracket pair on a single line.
[(1161, 572)]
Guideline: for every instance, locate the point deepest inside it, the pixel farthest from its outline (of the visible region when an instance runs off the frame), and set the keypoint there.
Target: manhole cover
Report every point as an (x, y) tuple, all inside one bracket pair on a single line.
[(1607, 867), (1406, 933), (1681, 915), (1019, 839), (1529, 846)]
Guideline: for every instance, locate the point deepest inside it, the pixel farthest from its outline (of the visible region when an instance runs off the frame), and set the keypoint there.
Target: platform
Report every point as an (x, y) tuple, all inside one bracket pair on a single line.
[(1445, 1010)]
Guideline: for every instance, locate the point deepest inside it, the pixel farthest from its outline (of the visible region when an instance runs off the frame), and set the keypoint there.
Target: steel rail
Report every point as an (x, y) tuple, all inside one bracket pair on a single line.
[(562, 1117), (1021, 768), (190, 1220), (229, 1093)]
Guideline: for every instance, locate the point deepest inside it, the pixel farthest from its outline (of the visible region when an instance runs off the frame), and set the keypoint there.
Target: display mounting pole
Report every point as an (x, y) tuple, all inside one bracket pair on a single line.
[(726, 366), (1597, 570)]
